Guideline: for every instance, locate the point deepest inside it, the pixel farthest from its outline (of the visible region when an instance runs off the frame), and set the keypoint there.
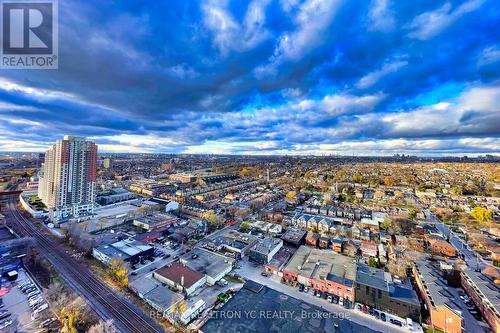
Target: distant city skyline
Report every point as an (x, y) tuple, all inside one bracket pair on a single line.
[(264, 77)]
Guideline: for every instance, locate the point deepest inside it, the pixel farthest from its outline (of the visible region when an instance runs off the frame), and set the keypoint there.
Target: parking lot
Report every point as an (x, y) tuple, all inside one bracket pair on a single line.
[(23, 306)]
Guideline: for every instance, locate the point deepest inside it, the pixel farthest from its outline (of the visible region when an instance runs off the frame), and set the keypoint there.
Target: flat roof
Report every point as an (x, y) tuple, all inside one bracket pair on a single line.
[(487, 287), (163, 297), (206, 262), (435, 284), (267, 245), (259, 309), (322, 264)]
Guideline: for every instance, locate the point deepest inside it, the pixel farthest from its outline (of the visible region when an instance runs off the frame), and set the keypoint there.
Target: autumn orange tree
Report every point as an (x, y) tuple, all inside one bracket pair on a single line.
[(482, 214), (118, 271)]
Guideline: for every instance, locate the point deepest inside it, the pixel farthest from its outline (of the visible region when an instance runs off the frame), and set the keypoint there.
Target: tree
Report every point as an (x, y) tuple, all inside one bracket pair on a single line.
[(482, 214), (373, 263), (118, 271), (103, 327), (412, 213), (387, 181), (386, 224), (244, 226)]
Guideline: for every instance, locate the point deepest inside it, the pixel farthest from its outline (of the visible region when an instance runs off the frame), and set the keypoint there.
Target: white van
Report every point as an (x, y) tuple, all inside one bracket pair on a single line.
[(409, 323)]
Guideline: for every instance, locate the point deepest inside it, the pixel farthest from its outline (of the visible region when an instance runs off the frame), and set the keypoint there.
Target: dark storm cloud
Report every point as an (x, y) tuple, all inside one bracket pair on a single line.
[(296, 74)]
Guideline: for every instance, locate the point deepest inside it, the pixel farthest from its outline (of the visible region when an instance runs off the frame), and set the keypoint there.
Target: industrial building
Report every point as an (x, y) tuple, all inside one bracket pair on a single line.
[(128, 250), (180, 277), (155, 221), (265, 250), (114, 195), (214, 266), (323, 270)]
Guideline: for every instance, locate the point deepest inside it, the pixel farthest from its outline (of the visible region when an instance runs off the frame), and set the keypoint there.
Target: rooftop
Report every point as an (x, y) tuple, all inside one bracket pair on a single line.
[(322, 264), (275, 312), (436, 286), (180, 274), (267, 245), (206, 262)]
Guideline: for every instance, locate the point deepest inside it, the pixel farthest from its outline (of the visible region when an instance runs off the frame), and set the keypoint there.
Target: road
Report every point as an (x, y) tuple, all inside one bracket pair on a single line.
[(473, 260), (103, 300)]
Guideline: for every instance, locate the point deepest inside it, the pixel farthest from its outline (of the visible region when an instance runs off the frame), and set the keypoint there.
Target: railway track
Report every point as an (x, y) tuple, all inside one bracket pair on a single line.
[(107, 304)]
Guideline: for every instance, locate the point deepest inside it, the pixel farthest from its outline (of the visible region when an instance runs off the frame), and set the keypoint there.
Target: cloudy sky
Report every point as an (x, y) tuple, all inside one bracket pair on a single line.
[(265, 77)]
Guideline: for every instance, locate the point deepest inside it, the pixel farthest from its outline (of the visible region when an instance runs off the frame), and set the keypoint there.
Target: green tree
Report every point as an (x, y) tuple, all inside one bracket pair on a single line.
[(386, 224), (412, 213), (244, 226)]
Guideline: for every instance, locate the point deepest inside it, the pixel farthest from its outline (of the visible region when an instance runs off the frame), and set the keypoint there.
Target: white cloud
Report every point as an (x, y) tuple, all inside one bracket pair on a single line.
[(312, 19), (228, 34), (371, 78), (489, 55), (380, 16), (429, 24)]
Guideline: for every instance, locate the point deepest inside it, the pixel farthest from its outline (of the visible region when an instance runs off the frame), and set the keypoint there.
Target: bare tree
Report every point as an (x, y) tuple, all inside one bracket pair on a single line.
[(103, 327)]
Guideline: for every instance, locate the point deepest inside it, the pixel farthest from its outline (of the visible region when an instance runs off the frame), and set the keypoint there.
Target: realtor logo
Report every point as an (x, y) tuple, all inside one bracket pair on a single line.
[(29, 34)]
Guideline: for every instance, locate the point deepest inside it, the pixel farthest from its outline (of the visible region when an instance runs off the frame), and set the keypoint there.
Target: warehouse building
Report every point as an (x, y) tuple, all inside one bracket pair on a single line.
[(214, 266), (128, 250), (322, 270), (180, 277), (265, 250)]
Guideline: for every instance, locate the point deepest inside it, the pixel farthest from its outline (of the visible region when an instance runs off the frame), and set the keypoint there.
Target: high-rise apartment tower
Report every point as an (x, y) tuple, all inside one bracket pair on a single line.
[(67, 178)]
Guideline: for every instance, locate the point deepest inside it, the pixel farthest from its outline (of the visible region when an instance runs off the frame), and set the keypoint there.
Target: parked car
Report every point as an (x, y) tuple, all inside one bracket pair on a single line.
[(376, 314), (330, 299), (301, 287), (29, 290), (306, 289), (359, 307), (341, 300), (222, 282), (4, 314), (265, 274), (396, 322), (5, 323), (47, 322), (409, 324), (40, 308), (317, 293), (383, 317)]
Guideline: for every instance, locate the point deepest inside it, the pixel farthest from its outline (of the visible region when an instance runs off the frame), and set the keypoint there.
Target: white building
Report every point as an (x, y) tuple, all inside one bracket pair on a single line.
[(67, 178)]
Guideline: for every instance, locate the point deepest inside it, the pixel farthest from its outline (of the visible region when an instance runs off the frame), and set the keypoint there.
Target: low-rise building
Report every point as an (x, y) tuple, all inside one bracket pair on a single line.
[(114, 195), (128, 250), (444, 313), (213, 265), (485, 294), (294, 237), (233, 241), (440, 246), (322, 270), (379, 290), (155, 221), (265, 249), (180, 277)]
